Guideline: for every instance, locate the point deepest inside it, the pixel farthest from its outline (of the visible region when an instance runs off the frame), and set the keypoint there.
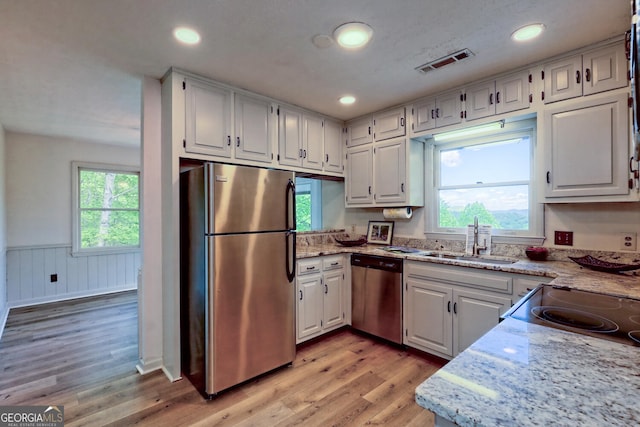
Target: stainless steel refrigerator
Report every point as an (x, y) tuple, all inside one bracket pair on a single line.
[(237, 265)]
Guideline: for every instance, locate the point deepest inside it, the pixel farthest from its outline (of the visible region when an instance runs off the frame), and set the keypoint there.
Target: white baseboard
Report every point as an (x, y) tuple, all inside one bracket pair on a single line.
[(145, 367), (73, 295), (171, 377)]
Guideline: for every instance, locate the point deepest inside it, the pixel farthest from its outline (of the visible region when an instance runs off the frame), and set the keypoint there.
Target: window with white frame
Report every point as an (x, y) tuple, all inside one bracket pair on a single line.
[(106, 214), (490, 177)]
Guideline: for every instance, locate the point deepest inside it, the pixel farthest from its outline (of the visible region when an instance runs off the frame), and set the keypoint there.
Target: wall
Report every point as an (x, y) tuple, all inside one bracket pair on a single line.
[(4, 310), (38, 207)]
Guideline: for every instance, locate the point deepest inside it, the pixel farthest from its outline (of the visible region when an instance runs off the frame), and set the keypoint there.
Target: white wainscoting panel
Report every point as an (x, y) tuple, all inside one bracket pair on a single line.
[(29, 271)]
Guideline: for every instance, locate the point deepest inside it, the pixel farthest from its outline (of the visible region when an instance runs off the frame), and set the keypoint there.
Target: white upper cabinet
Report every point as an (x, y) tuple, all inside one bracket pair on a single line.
[(359, 176), (442, 110), (254, 126), (592, 72), (312, 141), (208, 119), (390, 171), (333, 143), (388, 124), (506, 94), (289, 136), (513, 92), (587, 148), (359, 132)]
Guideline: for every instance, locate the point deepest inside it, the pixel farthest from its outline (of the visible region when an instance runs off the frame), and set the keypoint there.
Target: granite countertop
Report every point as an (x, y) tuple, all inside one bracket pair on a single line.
[(523, 374)]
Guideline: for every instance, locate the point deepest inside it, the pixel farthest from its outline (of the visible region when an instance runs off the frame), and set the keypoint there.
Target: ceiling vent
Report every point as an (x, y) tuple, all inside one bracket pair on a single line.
[(445, 60)]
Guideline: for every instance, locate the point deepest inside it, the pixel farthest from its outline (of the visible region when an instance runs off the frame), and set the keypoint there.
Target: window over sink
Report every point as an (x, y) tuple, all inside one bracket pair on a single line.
[(489, 175)]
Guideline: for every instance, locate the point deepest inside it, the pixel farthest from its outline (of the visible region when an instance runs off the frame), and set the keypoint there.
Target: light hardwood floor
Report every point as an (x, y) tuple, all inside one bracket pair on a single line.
[(82, 354)]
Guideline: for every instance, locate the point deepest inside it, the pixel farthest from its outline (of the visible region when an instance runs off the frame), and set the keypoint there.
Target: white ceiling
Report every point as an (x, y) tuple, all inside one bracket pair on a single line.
[(72, 68)]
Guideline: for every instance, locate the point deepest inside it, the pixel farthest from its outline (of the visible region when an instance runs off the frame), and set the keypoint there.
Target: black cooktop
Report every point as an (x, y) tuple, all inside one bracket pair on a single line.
[(590, 313)]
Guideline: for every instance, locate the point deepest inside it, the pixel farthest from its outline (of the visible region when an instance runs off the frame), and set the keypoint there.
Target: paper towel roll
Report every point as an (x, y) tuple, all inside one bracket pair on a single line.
[(397, 213)]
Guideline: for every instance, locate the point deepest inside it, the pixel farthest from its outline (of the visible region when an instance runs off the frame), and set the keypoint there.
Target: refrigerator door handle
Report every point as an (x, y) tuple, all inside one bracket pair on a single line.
[(290, 244), (291, 205)]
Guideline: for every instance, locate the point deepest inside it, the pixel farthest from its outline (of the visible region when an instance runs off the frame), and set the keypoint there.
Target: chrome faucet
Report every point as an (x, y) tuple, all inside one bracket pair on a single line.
[(476, 246)]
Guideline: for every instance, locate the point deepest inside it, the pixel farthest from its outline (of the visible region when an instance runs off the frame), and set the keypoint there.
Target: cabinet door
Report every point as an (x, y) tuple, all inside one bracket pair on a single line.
[(388, 124), (563, 79), (208, 119), (390, 171), (512, 92), (480, 101), (587, 152), (333, 302), (309, 306), (474, 314), (359, 132), (312, 142), (428, 324), (289, 137), (604, 69), (254, 122), (448, 109), (359, 177), (333, 147), (423, 115)]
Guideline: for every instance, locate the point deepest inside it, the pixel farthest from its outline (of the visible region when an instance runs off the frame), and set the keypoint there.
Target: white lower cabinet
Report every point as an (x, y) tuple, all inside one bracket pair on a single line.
[(447, 308), (321, 296)]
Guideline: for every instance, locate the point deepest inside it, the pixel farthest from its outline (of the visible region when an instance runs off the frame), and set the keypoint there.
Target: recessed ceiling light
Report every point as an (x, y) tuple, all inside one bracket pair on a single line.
[(347, 100), (186, 35), (353, 35), (527, 32)]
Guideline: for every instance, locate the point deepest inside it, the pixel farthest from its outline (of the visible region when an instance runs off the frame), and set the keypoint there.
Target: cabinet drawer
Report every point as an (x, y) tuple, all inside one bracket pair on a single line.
[(332, 262), (467, 276), (309, 266)]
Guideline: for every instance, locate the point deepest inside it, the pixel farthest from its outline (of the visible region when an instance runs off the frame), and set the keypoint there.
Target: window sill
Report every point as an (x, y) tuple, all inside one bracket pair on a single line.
[(512, 240), (105, 251)]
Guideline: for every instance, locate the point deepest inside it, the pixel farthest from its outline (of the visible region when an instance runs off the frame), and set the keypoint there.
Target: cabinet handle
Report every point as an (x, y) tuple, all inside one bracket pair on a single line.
[(497, 97), (578, 76), (335, 263), (548, 177), (229, 140), (304, 154), (402, 187), (455, 308), (237, 141), (448, 306), (437, 113), (326, 289), (301, 295), (490, 99), (313, 267), (369, 130), (327, 157), (401, 122), (433, 114), (369, 190), (587, 74)]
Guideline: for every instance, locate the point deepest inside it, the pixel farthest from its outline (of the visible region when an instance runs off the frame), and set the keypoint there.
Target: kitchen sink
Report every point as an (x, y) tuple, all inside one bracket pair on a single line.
[(479, 259)]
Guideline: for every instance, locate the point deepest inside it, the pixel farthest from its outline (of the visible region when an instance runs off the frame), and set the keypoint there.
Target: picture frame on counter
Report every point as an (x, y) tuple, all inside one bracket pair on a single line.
[(380, 232)]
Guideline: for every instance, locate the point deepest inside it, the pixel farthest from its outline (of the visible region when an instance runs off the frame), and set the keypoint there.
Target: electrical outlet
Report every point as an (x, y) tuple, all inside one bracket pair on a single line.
[(53, 278), (353, 228), (564, 238), (628, 241)]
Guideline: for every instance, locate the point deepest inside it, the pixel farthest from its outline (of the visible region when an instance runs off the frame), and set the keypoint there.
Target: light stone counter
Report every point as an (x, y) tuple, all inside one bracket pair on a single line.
[(522, 374)]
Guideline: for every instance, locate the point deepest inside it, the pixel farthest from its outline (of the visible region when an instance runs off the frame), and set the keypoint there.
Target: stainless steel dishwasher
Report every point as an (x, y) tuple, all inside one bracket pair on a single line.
[(376, 300)]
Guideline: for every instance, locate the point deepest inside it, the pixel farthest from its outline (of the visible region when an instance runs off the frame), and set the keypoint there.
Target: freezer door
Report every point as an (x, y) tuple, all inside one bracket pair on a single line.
[(247, 199), (252, 315)]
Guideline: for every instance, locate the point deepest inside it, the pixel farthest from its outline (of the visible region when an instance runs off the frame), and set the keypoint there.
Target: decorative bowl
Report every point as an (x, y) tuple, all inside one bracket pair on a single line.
[(536, 253), (357, 242)]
